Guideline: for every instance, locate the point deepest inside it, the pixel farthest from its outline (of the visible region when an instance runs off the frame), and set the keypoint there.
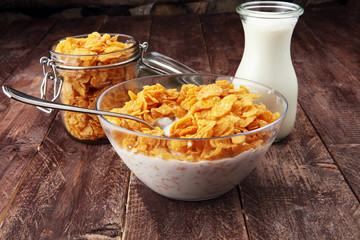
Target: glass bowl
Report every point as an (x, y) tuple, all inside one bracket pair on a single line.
[(181, 171)]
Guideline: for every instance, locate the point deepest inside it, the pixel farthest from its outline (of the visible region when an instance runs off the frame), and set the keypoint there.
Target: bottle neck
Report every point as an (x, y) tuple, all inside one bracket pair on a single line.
[(268, 36), (270, 9)]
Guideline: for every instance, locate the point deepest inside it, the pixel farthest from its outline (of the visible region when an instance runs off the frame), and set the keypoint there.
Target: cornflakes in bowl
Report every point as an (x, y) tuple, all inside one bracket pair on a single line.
[(219, 135), (89, 64)]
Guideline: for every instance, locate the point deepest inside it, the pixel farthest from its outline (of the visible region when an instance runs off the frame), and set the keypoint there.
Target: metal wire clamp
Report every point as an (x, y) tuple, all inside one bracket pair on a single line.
[(50, 73)]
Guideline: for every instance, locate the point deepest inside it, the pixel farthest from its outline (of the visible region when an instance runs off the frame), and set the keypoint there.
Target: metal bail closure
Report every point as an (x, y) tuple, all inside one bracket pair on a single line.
[(143, 47), (162, 64), (49, 71)]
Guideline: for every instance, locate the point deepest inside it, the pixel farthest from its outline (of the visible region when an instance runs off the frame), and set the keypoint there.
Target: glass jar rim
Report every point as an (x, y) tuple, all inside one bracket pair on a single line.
[(270, 9), (134, 46)]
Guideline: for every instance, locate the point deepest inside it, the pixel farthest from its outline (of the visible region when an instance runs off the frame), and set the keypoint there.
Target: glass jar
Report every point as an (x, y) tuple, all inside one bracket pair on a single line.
[(85, 77), (268, 28)]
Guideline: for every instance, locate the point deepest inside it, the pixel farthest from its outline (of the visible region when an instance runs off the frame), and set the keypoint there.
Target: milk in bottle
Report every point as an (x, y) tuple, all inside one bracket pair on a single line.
[(268, 27)]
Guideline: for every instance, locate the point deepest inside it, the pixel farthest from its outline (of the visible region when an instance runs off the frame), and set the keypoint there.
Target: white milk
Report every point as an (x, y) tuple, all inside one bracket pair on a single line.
[(185, 180), (267, 60)]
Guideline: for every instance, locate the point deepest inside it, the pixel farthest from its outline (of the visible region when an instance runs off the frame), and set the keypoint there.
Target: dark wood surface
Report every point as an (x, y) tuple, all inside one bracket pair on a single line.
[(308, 187)]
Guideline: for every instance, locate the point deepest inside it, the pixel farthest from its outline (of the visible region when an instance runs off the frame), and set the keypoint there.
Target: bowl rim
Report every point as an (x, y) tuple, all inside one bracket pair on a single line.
[(282, 116)]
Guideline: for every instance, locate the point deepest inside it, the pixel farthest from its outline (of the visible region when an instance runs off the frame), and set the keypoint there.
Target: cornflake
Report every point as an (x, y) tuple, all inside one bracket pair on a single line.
[(82, 87), (203, 112)]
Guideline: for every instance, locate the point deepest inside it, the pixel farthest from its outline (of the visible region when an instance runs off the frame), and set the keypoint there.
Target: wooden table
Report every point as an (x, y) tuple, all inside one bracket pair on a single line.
[(308, 187)]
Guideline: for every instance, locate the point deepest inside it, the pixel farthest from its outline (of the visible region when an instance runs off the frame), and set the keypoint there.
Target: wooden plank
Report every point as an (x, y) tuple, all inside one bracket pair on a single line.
[(329, 94), (151, 216), (347, 157), (224, 44), (18, 41), (73, 190), (23, 127), (137, 26), (298, 192), (285, 197), (331, 88), (342, 33), (180, 40)]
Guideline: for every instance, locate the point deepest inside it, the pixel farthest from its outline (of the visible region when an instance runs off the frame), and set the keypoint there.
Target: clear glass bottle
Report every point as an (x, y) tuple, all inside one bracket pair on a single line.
[(268, 28)]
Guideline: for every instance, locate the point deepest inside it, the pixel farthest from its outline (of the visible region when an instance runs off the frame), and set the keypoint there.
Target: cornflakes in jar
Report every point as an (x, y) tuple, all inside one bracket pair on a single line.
[(88, 65)]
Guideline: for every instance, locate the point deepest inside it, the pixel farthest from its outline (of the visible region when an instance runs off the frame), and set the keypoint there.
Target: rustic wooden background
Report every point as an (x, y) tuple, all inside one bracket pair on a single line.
[(24, 9), (308, 187)]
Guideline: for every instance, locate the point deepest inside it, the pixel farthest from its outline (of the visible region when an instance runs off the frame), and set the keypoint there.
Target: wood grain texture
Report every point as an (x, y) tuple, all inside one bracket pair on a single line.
[(75, 179), (326, 87), (329, 94), (138, 26), (71, 191), (181, 39), (224, 44), (151, 216), (347, 156), (298, 192), (52, 187), (23, 127), (342, 33), (17, 42), (290, 179)]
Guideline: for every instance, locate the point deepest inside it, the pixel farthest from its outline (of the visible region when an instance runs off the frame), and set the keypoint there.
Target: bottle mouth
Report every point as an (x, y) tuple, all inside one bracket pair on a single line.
[(270, 9)]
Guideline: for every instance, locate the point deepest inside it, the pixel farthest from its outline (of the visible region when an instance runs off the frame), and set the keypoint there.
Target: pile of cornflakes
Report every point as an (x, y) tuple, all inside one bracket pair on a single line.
[(203, 112), (82, 87)]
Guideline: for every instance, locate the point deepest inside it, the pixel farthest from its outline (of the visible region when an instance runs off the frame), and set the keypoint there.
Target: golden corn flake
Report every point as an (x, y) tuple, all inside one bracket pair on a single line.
[(82, 87), (205, 111)]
